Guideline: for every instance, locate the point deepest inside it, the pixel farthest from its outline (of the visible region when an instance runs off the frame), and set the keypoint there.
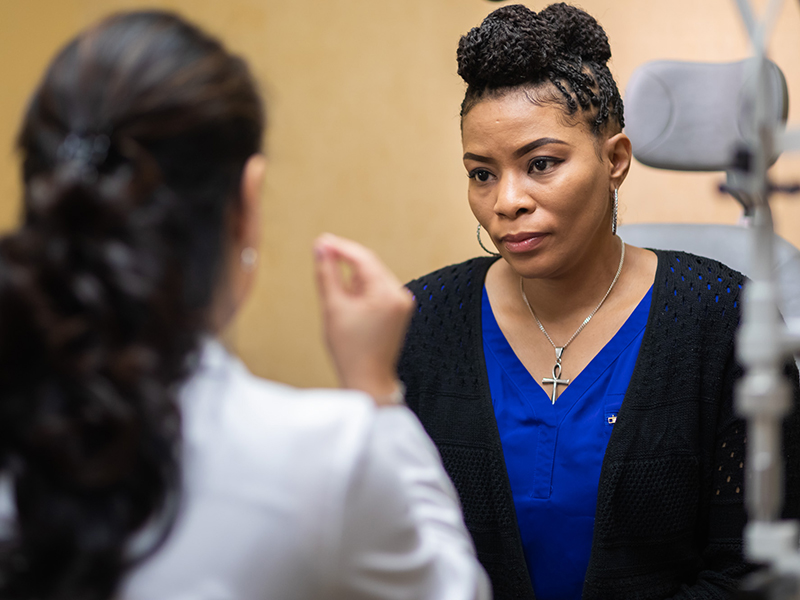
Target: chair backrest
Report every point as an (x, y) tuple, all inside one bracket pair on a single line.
[(729, 244), (691, 116)]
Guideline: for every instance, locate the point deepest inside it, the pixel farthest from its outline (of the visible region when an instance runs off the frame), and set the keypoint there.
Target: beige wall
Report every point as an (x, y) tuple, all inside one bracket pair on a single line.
[(364, 137)]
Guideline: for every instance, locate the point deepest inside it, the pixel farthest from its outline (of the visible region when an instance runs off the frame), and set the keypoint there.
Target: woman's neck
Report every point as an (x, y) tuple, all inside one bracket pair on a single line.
[(577, 288)]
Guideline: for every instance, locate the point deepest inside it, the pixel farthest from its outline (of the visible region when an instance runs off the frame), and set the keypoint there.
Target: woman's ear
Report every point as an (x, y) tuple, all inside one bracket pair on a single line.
[(248, 228), (619, 154), (242, 248)]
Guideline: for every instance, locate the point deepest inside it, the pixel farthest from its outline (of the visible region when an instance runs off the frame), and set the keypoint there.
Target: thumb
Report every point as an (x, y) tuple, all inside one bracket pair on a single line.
[(329, 284)]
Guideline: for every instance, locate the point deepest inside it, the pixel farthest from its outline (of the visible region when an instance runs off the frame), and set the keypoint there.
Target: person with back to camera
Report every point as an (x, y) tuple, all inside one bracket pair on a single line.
[(141, 460), (579, 390)]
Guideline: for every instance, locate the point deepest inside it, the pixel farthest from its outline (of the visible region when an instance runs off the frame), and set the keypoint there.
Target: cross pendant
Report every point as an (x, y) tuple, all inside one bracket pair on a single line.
[(556, 374)]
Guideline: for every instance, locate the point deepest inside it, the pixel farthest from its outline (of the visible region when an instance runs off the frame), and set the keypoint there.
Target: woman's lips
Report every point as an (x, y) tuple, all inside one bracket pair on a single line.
[(521, 242)]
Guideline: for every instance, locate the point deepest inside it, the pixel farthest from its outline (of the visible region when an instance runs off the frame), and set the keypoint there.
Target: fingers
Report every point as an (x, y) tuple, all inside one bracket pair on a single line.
[(333, 288), (368, 275), (366, 268), (365, 314), (325, 270)]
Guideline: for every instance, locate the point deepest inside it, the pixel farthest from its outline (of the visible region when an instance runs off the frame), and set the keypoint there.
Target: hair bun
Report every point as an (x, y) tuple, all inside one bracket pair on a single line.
[(576, 32), (561, 45), (512, 45)]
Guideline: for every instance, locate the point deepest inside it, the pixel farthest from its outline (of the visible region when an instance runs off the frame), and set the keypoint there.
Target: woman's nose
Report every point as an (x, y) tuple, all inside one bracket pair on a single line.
[(512, 198)]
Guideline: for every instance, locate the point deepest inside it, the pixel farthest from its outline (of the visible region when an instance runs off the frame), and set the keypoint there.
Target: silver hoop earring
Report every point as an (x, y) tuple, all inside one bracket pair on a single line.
[(485, 249), (249, 258), (616, 206)]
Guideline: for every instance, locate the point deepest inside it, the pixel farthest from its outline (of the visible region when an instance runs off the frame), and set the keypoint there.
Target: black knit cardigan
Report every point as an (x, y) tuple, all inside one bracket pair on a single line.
[(670, 508)]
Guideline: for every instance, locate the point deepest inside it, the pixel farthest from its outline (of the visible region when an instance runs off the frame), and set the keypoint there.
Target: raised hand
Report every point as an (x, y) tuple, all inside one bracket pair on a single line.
[(365, 312)]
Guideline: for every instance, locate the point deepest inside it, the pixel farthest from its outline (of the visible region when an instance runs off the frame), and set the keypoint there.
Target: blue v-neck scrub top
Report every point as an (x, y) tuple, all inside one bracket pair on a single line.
[(553, 452)]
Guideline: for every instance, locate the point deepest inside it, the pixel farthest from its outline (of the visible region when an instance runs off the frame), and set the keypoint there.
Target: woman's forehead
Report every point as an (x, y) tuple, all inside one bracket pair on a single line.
[(514, 118)]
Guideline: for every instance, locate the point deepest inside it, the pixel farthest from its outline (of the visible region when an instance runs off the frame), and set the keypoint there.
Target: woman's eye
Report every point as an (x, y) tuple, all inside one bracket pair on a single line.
[(481, 175), (542, 164)]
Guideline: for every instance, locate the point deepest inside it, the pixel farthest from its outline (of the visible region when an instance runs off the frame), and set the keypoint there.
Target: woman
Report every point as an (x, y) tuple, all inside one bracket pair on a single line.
[(579, 390), (139, 458)]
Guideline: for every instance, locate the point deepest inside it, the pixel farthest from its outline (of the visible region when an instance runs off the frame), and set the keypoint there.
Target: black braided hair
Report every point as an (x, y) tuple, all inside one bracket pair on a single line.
[(561, 46), (133, 148)]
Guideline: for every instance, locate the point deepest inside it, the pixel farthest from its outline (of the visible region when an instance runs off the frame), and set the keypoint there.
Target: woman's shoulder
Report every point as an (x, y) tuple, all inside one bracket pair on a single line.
[(296, 415), (685, 269), (453, 288), (695, 295), (467, 271), (443, 342), (251, 419)]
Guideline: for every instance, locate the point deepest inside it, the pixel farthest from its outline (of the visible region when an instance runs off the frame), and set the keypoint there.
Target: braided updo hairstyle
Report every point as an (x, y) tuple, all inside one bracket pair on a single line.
[(133, 150), (561, 46)]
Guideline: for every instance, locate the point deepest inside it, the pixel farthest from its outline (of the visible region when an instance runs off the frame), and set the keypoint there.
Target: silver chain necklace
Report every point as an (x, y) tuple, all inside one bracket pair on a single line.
[(556, 380)]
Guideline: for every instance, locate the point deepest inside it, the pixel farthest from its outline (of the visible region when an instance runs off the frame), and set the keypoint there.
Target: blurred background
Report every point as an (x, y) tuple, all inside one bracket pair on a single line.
[(363, 101)]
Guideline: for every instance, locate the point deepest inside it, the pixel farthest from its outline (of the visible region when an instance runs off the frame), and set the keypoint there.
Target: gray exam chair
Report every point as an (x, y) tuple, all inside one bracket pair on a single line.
[(691, 117)]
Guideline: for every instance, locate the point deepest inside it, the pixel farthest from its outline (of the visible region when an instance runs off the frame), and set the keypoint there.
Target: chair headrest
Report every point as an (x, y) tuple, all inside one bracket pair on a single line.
[(690, 116)]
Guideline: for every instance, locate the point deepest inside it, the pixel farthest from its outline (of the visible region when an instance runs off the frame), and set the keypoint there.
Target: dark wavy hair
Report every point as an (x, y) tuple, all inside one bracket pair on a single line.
[(559, 55), (133, 148)]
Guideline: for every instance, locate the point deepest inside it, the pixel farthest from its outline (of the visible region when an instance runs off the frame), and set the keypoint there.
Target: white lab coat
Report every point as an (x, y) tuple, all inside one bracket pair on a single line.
[(306, 494)]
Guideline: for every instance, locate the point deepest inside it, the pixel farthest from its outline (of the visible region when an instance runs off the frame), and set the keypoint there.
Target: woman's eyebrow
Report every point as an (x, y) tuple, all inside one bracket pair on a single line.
[(476, 157), (521, 151), (537, 143)]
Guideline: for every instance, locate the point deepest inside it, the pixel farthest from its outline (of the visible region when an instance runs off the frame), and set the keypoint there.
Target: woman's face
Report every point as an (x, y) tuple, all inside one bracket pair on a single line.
[(539, 186)]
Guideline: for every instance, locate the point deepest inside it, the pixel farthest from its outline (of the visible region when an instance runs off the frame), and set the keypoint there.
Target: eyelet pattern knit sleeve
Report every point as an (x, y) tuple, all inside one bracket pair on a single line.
[(443, 368)]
